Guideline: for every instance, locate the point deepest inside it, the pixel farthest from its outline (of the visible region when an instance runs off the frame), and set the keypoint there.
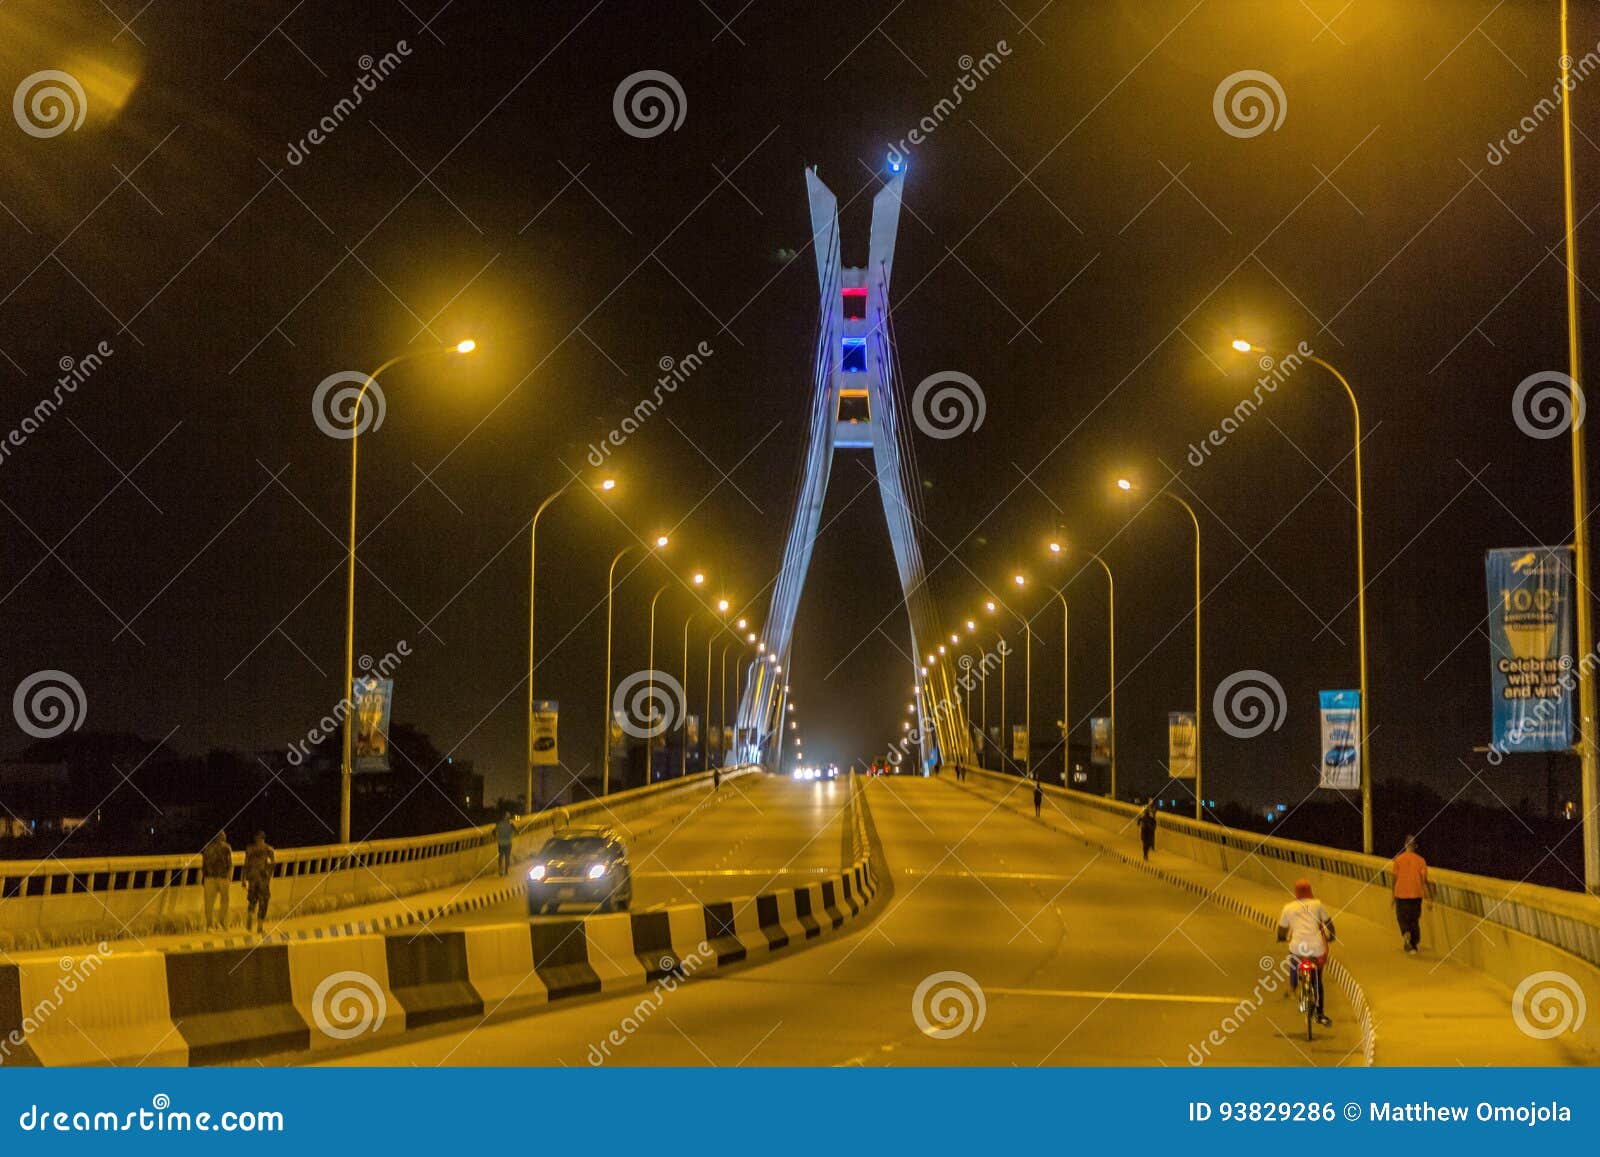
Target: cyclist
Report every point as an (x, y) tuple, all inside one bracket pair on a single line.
[(1306, 926)]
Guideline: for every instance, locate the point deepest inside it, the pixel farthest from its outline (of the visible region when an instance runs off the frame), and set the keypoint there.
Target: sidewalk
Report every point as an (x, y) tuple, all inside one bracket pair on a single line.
[(1425, 1012)]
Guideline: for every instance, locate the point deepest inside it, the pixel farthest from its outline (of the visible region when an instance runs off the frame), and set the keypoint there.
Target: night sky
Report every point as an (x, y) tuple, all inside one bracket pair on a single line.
[(1080, 235)]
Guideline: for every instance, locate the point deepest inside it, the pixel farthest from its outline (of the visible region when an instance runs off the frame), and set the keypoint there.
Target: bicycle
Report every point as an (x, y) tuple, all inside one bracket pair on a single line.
[(1309, 974)]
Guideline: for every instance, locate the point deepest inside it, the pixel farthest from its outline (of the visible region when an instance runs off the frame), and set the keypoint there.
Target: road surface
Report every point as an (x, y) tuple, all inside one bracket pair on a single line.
[(1072, 959)]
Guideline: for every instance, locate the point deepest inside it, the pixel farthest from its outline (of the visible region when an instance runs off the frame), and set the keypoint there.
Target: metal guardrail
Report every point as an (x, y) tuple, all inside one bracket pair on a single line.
[(151, 892), (1569, 921)]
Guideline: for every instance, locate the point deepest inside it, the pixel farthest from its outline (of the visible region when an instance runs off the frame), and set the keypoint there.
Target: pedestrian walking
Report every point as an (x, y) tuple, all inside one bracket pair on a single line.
[(258, 860), (1147, 828), (504, 831), (716, 779), (1411, 887), (1038, 798), (216, 874)]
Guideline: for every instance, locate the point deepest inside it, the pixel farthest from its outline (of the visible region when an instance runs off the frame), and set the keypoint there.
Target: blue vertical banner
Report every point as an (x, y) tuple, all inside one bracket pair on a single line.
[(1180, 744), (1341, 739), (1530, 644), (371, 700)]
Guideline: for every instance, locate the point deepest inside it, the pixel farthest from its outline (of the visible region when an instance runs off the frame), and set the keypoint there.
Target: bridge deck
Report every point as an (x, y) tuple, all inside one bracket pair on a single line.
[(1081, 960)]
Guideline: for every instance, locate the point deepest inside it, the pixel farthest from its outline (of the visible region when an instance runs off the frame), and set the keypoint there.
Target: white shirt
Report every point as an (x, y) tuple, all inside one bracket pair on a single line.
[(1305, 919)]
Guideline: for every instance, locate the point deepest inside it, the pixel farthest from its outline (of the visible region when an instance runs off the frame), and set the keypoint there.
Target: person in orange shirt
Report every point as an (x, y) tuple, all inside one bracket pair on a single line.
[(1411, 887)]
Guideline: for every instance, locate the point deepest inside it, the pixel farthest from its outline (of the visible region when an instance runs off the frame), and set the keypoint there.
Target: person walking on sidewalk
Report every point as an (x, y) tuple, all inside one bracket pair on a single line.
[(1147, 829), (504, 831), (1038, 798), (258, 860), (216, 873), (1410, 888)]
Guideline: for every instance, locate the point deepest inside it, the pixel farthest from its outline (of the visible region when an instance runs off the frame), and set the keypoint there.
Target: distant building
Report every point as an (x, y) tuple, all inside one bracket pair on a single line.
[(36, 800)]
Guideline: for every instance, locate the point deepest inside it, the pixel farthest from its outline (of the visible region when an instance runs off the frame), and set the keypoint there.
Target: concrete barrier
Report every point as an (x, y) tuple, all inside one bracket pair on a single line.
[(81, 901), (229, 1005)]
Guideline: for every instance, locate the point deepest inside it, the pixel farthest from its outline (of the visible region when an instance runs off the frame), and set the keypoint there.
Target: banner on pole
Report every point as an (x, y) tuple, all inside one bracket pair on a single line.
[(1341, 739), (1530, 646), (546, 713), (1180, 744), (371, 701), (1100, 740), (691, 729), (1019, 742), (617, 735)]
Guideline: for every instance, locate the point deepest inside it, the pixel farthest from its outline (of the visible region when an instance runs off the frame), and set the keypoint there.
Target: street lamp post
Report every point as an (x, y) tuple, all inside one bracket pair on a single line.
[(1361, 579), (650, 735), (605, 707), (606, 485), (1058, 548), (683, 748), (1588, 748), (348, 743), (1199, 788)]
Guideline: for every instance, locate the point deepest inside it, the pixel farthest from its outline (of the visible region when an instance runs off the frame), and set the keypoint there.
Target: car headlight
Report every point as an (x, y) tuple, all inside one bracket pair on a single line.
[(597, 871), (536, 872)]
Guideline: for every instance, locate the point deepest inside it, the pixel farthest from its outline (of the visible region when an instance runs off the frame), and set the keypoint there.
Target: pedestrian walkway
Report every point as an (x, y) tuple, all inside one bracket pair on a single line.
[(1425, 1011)]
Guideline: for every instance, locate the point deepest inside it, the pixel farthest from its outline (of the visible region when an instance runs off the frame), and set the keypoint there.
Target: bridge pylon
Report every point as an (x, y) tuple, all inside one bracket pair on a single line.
[(856, 406)]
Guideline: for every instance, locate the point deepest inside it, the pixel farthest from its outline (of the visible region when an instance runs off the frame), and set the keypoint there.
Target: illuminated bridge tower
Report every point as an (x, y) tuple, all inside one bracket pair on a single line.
[(855, 407)]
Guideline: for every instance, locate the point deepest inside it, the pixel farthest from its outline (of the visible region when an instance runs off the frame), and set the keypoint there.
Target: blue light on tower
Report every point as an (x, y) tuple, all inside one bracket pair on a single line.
[(896, 162)]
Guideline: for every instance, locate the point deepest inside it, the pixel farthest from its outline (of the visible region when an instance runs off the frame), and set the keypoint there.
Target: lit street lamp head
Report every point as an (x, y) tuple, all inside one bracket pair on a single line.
[(698, 579), (608, 484), (466, 346), (1056, 548), (1019, 580), (722, 606), (1242, 346), (1124, 485)]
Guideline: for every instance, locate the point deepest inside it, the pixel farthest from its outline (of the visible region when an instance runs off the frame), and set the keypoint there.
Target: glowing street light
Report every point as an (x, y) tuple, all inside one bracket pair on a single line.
[(348, 740), (1127, 486), (605, 708), (603, 487)]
